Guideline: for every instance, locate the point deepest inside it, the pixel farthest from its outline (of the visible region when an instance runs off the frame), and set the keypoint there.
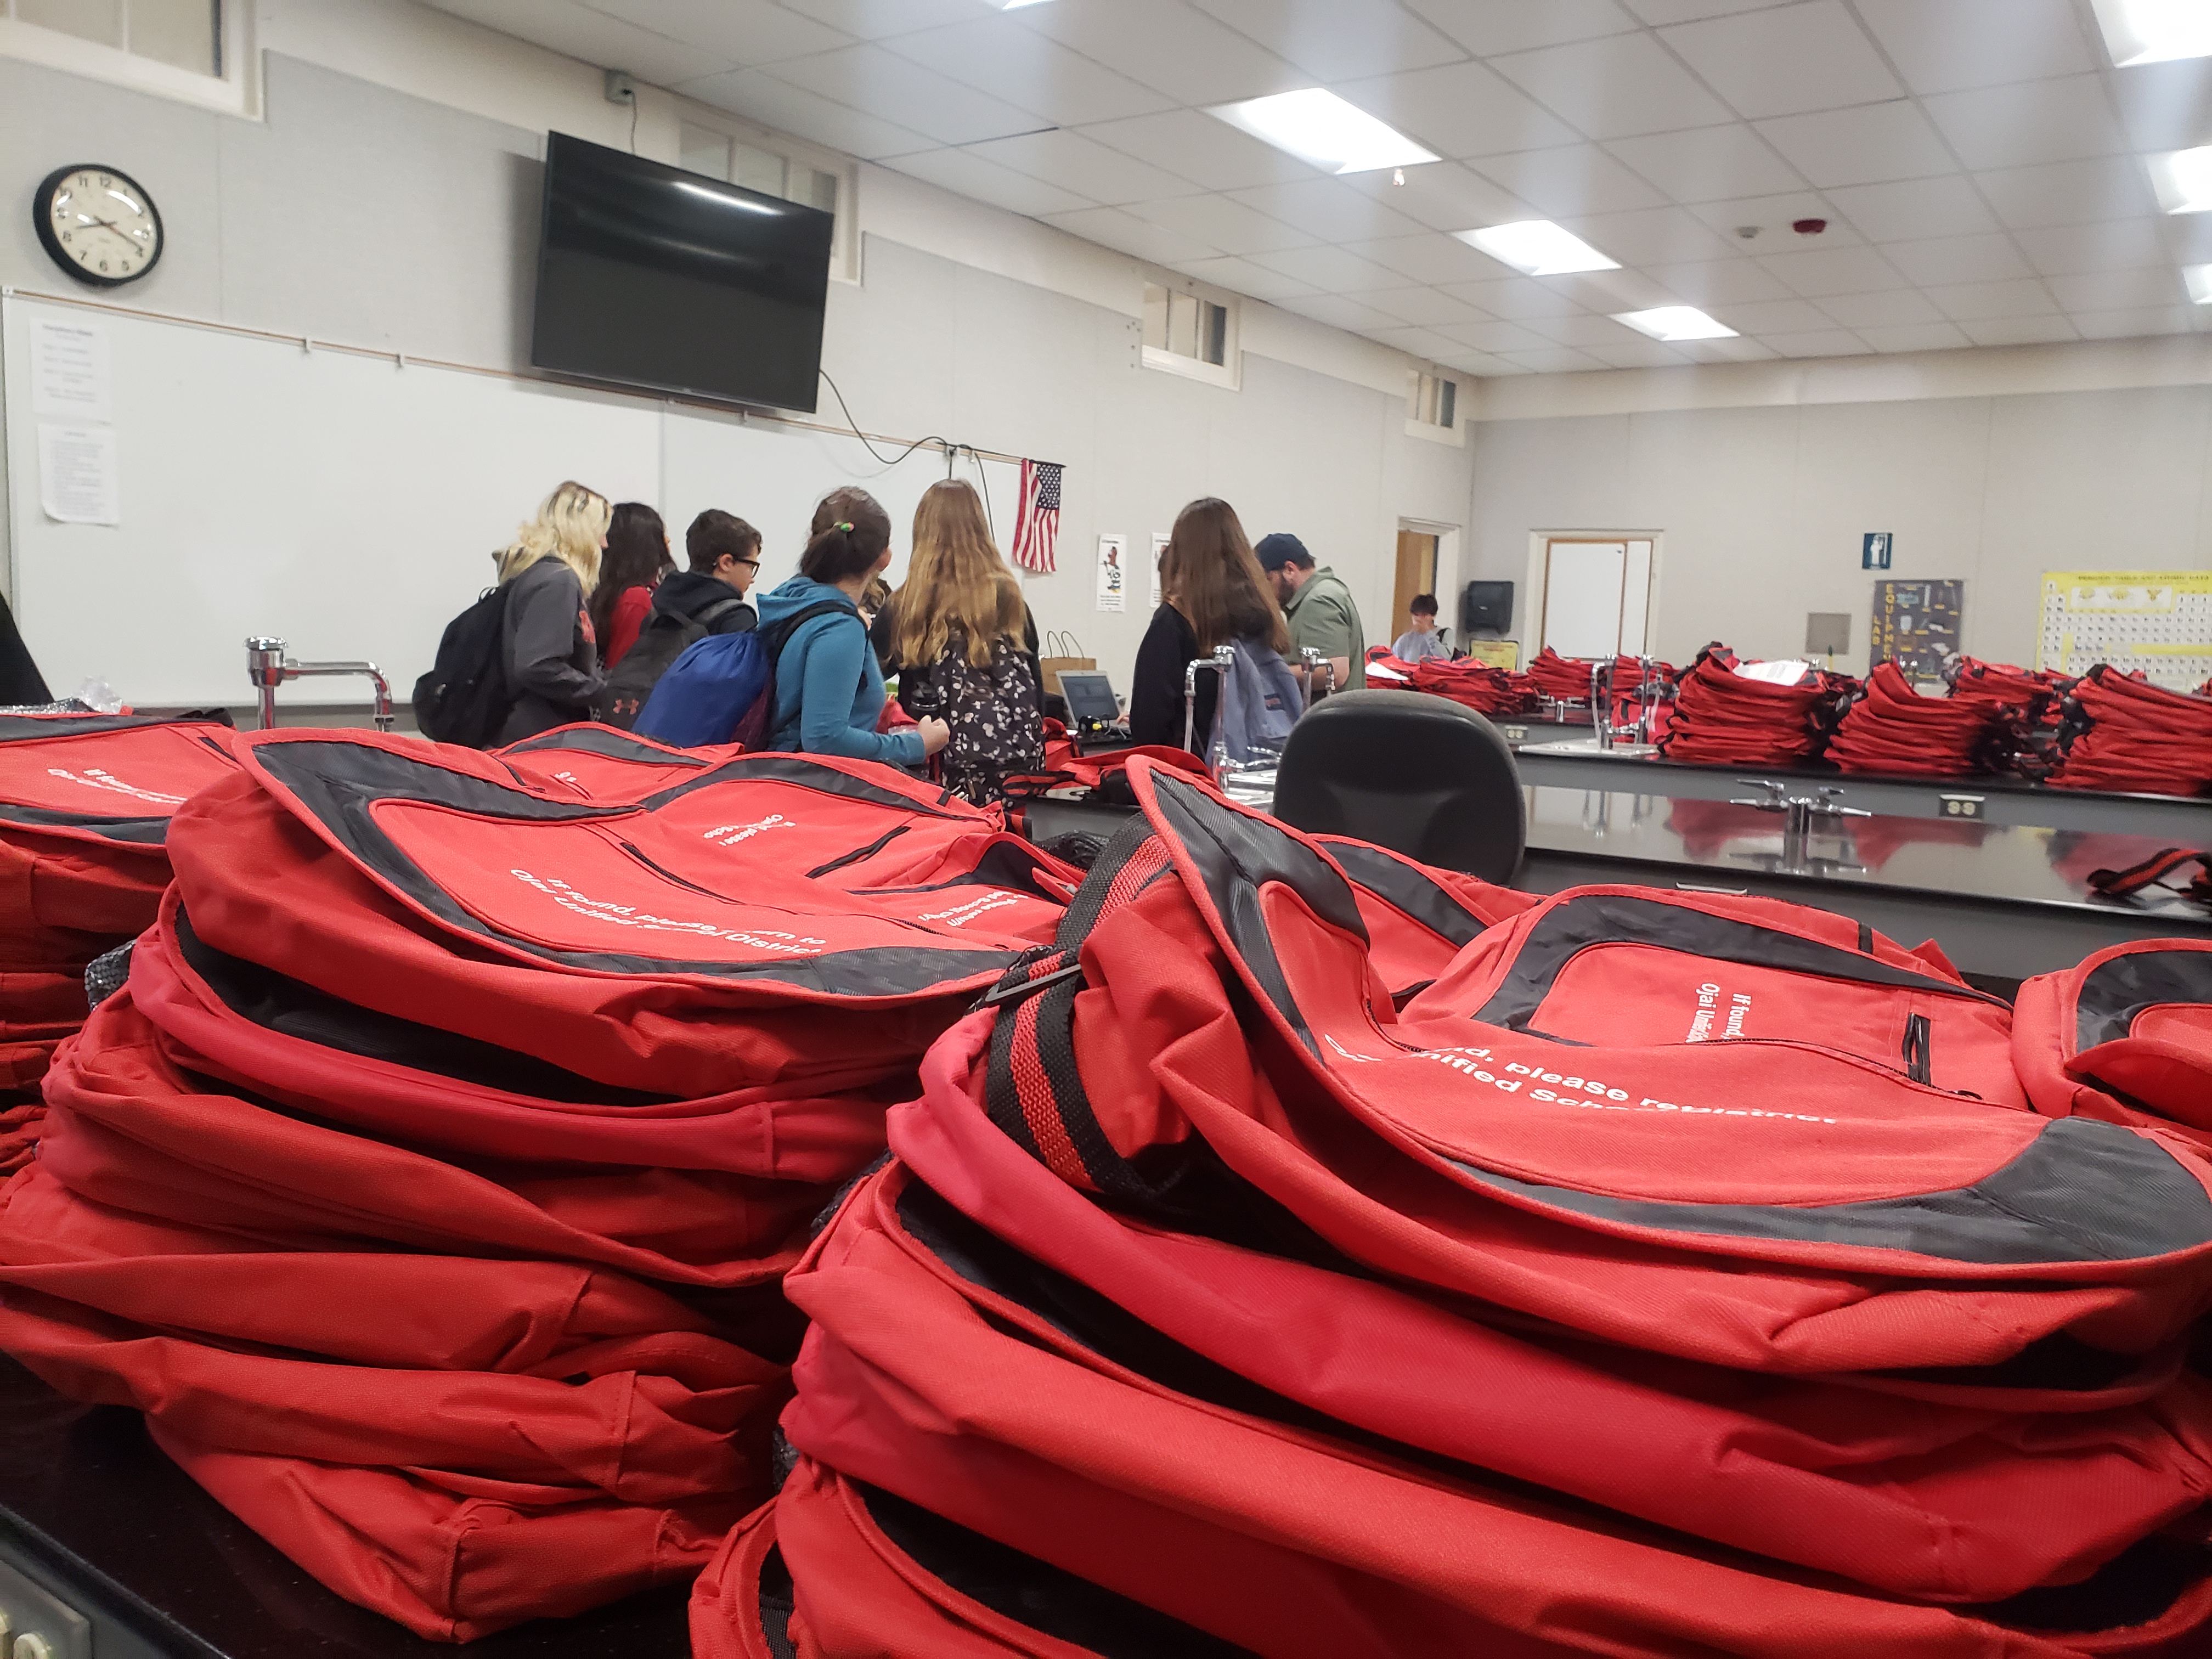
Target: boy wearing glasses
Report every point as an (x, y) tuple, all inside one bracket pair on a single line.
[(725, 553)]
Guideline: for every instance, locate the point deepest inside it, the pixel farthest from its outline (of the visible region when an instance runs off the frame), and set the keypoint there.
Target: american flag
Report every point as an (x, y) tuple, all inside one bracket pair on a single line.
[(1036, 533)]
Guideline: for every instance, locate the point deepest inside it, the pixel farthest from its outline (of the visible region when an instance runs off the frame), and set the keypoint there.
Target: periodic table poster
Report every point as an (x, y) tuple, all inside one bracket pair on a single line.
[(2158, 621), (1915, 625)]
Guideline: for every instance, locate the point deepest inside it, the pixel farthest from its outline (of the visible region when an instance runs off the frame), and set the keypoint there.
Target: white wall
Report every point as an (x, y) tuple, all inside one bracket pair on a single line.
[(389, 199), (1762, 507)]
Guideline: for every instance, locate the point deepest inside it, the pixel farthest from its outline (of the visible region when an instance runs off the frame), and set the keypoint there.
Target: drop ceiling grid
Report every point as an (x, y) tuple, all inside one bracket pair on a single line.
[(1978, 160)]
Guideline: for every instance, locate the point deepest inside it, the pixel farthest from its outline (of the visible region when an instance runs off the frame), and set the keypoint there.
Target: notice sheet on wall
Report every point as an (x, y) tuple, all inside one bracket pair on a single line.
[(1159, 548), (1114, 572), (1915, 625), (2158, 621), (69, 371), (78, 482)]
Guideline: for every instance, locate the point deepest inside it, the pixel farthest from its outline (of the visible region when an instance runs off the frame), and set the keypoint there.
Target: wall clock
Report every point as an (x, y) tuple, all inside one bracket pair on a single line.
[(99, 224)]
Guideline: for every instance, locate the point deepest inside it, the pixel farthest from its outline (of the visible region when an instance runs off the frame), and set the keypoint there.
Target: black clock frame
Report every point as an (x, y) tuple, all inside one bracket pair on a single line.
[(42, 213)]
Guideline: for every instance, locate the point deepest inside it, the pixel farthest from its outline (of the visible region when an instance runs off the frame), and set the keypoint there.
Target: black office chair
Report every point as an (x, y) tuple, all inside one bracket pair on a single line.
[(1421, 775)]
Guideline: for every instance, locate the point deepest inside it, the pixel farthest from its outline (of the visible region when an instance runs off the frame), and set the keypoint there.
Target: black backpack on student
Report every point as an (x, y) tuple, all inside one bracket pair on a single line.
[(662, 640), (463, 698)]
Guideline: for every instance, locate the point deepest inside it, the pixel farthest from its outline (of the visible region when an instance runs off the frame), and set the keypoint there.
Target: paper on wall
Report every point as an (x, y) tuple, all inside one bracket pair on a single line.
[(69, 370), (1159, 547), (77, 481), (1112, 573)]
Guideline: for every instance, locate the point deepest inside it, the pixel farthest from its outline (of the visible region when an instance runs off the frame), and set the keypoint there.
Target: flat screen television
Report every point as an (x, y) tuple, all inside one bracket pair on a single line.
[(654, 276)]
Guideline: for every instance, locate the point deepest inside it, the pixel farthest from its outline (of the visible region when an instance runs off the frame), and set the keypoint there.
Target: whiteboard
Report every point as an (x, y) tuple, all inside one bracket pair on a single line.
[(1583, 590)]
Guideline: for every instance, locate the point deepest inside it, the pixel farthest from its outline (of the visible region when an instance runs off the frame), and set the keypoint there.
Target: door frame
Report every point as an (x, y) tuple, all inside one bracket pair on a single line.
[(1540, 576), (1447, 572)]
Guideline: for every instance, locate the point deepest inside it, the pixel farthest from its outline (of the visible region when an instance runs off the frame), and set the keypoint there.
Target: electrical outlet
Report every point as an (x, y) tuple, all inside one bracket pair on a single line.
[(1962, 806), (38, 1624), (622, 87)]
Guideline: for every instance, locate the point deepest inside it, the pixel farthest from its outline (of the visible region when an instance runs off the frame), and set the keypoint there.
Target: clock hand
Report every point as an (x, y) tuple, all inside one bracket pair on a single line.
[(108, 225)]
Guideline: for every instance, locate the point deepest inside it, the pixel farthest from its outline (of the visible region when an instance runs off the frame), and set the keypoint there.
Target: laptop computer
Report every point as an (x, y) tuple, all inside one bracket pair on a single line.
[(1094, 712)]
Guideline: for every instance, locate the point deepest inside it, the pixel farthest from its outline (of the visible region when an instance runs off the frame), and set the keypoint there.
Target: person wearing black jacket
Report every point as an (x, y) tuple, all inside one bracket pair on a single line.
[(550, 652), (1214, 594), (21, 682), (725, 553)]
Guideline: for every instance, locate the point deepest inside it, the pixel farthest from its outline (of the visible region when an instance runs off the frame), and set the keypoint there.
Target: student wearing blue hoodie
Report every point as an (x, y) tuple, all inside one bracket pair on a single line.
[(829, 686)]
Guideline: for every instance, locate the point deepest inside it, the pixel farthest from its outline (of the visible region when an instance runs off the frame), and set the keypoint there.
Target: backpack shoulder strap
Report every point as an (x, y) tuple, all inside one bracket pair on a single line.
[(715, 612), (780, 635)]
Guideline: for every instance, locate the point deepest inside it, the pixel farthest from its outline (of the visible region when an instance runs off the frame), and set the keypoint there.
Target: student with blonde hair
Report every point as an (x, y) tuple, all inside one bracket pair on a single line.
[(550, 648), (957, 630)]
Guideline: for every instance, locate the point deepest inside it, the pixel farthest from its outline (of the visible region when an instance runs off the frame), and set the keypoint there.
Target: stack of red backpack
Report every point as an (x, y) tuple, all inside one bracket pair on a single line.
[(2120, 731), (1723, 716), (1476, 685), (1564, 679), (429, 1182), (1887, 726), (85, 802), (1671, 1274)]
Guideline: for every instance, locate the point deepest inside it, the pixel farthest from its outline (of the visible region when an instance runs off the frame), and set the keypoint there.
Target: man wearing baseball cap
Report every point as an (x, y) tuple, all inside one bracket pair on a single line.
[(1317, 605)]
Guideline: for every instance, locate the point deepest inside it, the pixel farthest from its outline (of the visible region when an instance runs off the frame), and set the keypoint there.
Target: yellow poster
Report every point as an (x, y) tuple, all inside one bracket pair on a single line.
[(2158, 621), (1495, 654)]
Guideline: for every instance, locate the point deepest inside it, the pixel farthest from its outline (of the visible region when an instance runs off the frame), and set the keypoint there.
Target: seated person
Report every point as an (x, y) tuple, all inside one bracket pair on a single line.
[(1424, 638)]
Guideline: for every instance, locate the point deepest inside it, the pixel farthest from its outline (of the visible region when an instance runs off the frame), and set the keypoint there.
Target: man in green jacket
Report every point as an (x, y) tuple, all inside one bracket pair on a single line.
[(1317, 605)]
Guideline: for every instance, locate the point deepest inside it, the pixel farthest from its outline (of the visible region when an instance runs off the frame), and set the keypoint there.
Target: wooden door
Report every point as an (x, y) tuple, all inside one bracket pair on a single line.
[(1417, 573)]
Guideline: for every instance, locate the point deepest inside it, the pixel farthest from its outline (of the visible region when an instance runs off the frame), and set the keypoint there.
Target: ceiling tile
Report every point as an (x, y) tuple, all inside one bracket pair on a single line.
[(2119, 290), (1818, 271), (1896, 308), (1089, 168), (1444, 196), (1654, 236), (1819, 343), (1481, 363), (1786, 59), (1741, 350), (2117, 244), (2166, 105), (1914, 208), (1610, 292), (1866, 145), (2019, 331), (1572, 181), (1328, 208), (1243, 276), (1329, 268), (1195, 146), (1976, 301), (2134, 325), (1459, 109), (1721, 282), (1987, 258), (876, 20), (1487, 28), (1774, 214), (1168, 45), (1432, 257), (1230, 226), (1125, 233), (1515, 298), (596, 38), (1552, 360), (1658, 13), (1765, 317), (1417, 342), (1338, 42), (1709, 164), (1628, 350), (2190, 235), (2019, 125), (1339, 312), (748, 31), (2069, 192), (1426, 306), (1613, 87), (1916, 336), (1587, 330), (971, 175), (867, 77), (1941, 45), (1028, 69), (758, 96)]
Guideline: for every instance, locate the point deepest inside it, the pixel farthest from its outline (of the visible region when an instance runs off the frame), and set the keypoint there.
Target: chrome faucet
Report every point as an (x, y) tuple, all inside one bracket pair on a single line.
[(1223, 659), (1316, 665), (1799, 812), (267, 667)]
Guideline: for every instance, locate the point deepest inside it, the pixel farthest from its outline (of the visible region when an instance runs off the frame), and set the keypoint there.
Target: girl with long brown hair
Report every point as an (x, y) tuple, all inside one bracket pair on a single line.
[(1212, 593), (635, 559), (956, 630)]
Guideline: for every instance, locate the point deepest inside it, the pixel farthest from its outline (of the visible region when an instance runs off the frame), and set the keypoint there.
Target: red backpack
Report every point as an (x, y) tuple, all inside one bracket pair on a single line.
[(2126, 1036)]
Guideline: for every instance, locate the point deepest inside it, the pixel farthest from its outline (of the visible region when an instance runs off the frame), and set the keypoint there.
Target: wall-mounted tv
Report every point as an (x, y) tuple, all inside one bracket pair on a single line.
[(654, 276)]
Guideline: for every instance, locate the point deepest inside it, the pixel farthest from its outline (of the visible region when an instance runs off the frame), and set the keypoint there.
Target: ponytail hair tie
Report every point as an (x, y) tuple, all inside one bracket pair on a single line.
[(847, 528)]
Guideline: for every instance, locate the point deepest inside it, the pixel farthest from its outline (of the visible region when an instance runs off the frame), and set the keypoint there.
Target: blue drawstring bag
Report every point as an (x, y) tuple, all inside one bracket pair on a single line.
[(722, 689)]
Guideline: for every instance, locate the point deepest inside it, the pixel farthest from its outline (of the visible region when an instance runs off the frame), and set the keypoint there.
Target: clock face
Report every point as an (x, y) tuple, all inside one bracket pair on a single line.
[(98, 224)]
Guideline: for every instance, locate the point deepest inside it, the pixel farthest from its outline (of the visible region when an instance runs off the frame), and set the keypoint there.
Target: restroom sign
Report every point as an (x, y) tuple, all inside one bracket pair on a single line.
[(1874, 550)]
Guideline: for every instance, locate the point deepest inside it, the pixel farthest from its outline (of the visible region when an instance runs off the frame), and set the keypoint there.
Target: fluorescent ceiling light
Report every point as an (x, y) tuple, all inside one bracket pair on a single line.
[(2199, 278), (1015, 5), (1538, 247), (1675, 323), (1316, 125), (2154, 31), (2183, 178)]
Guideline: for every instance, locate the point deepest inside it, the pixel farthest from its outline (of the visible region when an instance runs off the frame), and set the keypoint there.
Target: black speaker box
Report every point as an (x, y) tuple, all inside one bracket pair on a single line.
[(1485, 607)]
